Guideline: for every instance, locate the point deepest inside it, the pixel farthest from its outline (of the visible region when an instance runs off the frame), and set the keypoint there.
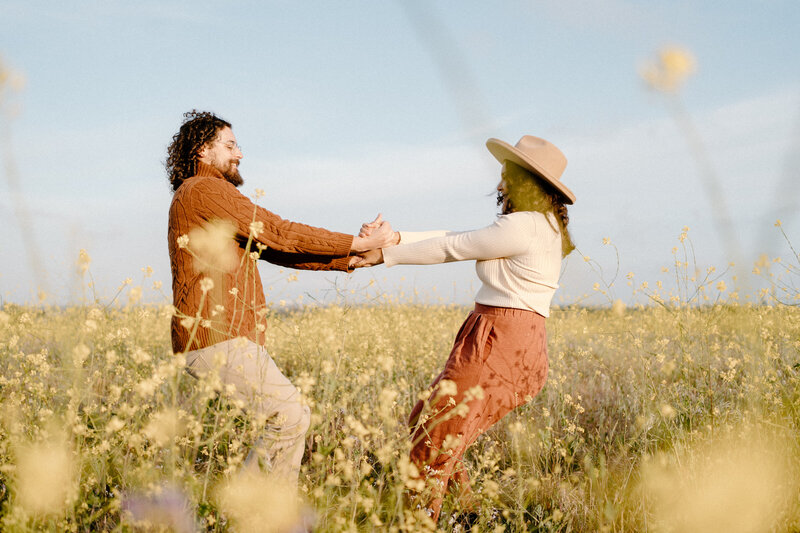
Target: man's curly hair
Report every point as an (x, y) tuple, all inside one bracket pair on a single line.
[(198, 129)]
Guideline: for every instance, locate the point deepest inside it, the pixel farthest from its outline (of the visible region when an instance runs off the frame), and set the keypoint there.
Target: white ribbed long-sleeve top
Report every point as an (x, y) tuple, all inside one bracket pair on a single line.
[(518, 258)]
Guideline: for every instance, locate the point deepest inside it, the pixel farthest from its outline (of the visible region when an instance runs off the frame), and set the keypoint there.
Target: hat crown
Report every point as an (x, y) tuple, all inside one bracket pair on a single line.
[(549, 158), (536, 155)]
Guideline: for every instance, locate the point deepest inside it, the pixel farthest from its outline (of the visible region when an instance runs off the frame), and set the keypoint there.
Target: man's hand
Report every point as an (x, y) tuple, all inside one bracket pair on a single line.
[(367, 227), (367, 259), (375, 234)]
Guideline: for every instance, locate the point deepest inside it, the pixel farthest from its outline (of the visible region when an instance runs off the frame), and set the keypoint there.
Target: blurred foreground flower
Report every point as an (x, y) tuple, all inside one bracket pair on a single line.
[(214, 246), (10, 78), (134, 295), (46, 483), (740, 484), (165, 426), (257, 502), (166, 509), (669, 70), (83, 261)]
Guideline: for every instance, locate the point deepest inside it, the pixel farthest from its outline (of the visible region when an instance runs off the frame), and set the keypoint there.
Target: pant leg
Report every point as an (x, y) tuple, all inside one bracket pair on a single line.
[(504, 352), (434, 451), (268, 396)]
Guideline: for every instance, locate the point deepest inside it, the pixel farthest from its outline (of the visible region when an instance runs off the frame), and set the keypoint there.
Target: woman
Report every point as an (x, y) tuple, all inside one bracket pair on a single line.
[(499, 358)]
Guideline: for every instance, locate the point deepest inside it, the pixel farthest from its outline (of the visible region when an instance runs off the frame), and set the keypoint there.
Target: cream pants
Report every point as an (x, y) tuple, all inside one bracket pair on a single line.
[(267, 395)]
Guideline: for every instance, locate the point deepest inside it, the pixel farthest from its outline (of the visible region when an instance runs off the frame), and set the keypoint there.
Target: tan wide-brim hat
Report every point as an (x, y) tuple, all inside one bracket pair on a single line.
[(537, 155)]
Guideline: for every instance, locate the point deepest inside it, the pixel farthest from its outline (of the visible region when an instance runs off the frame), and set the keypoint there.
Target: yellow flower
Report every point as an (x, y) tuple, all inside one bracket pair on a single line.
[(667, 411), (13, 79), (474, 393), (80, 353), (451, 442), (735, 484), (46, 478), (134, 295), (83, 261), (114, 425), (447, 387), (206, 284), (669, 70), (386, 402), (243, 498), (164, 427), (256, 228), (214, 246)]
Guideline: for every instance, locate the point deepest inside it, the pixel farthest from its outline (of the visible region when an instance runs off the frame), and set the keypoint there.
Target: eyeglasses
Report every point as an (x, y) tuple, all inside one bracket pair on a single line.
[(232, 146)]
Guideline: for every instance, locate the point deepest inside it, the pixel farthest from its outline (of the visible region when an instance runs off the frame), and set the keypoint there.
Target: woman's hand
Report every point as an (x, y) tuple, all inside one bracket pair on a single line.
[(367, 259), (375, 234)]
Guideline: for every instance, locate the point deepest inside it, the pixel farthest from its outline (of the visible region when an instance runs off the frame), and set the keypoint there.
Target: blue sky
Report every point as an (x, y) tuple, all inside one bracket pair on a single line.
[(351, 108)]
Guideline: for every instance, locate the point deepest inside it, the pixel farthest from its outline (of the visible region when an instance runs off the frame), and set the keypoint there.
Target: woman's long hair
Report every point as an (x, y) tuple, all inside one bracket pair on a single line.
[(527, 192), (198, 129)]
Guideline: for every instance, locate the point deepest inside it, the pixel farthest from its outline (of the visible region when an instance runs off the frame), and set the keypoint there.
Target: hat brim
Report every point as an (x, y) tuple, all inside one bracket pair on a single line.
[(502, 151)]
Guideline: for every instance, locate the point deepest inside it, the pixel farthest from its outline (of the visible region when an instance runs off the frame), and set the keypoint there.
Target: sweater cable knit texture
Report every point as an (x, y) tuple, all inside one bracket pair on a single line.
[(235, 306)]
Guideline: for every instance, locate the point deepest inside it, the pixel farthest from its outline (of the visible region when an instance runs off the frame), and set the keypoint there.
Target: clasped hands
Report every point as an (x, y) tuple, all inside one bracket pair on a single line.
[(371, 238)]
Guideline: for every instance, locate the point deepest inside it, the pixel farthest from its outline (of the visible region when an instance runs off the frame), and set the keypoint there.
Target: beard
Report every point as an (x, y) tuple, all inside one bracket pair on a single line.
[(230, 172), (234, 177)]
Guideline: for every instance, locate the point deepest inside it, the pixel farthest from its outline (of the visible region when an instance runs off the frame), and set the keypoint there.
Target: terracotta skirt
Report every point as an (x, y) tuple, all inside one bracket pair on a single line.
[(498, 362)]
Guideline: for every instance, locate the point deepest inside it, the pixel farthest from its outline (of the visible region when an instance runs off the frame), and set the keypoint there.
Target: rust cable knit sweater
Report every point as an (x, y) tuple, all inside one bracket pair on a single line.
[(235, 306)]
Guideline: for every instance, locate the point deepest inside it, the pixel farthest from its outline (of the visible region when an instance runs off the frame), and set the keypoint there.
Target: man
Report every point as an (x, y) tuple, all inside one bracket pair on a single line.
[(216, 236)]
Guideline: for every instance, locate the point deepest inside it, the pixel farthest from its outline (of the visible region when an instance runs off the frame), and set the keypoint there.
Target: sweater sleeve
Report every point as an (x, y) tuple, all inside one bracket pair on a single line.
[(216, 198), (508, 236), (408, 237), (306, 261)]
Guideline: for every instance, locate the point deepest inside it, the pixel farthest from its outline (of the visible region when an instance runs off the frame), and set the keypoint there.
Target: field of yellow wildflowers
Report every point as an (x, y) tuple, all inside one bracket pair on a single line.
[(674, 416)]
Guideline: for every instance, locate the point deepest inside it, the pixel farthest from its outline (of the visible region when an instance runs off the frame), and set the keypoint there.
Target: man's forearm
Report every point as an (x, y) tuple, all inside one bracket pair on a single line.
[(306, 261)]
